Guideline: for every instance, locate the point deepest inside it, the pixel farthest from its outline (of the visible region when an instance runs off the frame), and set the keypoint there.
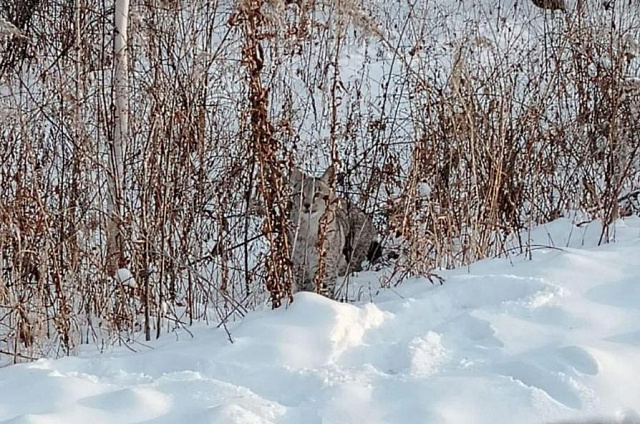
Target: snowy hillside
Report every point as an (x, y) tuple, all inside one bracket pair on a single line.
[(506, 340)]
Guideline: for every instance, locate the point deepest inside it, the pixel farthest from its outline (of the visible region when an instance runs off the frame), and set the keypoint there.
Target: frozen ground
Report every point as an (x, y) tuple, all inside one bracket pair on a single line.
[(553, 339)]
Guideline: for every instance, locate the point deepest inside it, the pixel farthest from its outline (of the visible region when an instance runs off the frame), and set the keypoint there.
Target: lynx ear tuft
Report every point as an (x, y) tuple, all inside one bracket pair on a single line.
[(328, 174)]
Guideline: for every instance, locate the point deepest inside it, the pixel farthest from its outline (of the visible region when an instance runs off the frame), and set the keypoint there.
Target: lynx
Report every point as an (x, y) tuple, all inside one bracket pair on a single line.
[(348, 239)]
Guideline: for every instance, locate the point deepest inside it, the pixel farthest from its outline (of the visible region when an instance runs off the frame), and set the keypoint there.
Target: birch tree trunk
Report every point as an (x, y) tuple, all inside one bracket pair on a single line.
[(117, 147)]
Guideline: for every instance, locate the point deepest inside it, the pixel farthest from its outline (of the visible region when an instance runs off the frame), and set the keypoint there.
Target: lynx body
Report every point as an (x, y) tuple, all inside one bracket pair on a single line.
[(348, 234)]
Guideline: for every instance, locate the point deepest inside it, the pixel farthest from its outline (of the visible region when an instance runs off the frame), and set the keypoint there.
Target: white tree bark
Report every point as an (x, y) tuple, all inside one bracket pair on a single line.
[(115, 201)]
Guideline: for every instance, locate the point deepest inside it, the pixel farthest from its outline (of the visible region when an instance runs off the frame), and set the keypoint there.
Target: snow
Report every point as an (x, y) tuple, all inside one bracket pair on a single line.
[(551, 339), (124, 276)]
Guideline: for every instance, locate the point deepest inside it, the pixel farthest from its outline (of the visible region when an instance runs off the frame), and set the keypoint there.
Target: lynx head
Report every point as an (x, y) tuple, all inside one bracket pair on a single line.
[(311, 195)]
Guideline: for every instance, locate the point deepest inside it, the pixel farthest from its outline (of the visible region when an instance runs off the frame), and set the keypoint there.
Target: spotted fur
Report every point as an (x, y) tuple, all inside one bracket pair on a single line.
[(348, 237)]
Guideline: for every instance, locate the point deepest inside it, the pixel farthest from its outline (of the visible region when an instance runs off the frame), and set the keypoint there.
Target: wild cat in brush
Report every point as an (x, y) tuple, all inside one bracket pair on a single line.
[(348, 237)]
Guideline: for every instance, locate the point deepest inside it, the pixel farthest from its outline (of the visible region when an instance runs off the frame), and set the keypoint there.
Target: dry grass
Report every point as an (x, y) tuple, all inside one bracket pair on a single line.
[(455, 148)]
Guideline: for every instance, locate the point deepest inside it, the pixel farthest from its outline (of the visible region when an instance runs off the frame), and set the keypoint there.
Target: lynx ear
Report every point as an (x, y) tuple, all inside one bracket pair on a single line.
[(328, 175), (296, 176)]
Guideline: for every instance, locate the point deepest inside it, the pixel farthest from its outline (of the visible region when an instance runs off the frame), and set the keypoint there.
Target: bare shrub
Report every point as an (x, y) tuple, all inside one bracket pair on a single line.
[(456, 132)]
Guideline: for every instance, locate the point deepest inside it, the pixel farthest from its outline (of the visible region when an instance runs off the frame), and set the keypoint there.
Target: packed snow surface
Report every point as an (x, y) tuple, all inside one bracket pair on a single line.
[(551, 339)]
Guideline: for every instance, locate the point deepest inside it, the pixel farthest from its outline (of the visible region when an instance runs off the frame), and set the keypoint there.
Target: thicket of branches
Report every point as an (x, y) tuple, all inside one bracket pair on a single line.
[(458, 127)]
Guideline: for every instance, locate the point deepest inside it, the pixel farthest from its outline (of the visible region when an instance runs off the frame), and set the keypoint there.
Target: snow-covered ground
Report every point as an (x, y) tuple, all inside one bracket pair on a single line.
[(511, 340)]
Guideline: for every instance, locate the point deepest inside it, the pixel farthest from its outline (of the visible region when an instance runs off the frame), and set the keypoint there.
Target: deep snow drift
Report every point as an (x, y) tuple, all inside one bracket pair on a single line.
[(504, 341)]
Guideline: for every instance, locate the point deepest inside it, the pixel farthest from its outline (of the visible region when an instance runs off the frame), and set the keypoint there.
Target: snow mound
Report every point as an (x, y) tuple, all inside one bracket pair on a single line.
[(554, 339), (284, 337)]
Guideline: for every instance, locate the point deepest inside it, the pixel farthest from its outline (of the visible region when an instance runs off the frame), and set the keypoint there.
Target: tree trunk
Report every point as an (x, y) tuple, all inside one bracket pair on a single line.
[(117, 146)]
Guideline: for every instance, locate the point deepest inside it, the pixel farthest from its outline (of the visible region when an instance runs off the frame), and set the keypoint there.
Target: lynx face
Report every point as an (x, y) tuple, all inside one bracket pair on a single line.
[(310, 196)]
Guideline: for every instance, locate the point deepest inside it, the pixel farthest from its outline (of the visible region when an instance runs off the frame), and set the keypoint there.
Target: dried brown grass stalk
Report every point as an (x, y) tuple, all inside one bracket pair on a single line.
[(267, 151)]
